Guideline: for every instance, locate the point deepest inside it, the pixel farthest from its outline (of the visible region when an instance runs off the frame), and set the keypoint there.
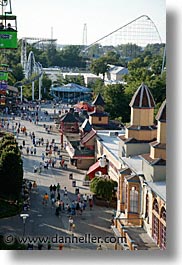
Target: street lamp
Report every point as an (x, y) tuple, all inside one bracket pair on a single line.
[(24, 216)]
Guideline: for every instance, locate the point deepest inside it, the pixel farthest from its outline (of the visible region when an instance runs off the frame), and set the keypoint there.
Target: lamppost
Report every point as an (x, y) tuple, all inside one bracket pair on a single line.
[(24, 216)]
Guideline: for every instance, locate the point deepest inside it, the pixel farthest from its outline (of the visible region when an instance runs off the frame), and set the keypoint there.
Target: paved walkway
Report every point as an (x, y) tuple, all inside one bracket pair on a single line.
[(42, 220)]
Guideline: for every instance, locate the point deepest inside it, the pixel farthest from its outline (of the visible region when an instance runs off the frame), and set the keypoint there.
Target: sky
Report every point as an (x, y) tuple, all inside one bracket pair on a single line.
[(66, 18)]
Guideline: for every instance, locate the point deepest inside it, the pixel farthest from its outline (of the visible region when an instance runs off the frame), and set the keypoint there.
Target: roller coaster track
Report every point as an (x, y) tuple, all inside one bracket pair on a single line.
[(141, 31)]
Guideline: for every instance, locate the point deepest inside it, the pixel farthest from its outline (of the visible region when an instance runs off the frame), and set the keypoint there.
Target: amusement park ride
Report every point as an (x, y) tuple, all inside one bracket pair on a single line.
[(8, 40)]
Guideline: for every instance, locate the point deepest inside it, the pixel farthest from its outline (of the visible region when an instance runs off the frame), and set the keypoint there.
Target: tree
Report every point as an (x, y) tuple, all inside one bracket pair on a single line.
[(99, 66), (103, 187), (11, 168)]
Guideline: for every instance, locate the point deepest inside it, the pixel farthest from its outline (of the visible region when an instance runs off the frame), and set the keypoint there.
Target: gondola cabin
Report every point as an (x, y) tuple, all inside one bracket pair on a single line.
[(8, 32)]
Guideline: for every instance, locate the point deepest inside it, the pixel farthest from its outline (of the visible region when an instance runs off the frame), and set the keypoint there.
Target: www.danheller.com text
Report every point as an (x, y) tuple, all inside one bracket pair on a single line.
[(59, 239)]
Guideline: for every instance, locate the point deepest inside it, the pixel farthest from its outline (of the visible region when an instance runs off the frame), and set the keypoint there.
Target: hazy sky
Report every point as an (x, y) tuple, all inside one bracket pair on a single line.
[(67, 17)]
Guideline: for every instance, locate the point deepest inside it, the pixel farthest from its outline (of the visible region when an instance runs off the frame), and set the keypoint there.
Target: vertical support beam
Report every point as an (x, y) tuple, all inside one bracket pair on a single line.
[(40, 86), (33, 91), (21, 93)]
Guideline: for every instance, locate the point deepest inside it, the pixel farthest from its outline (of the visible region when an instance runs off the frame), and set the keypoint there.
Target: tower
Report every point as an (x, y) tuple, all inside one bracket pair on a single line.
[(158, 148), (84, 41), (142, 112)]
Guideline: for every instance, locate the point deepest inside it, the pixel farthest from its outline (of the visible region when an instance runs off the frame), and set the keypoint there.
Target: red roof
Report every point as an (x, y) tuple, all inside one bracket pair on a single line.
[(84, 105), (95, 168)]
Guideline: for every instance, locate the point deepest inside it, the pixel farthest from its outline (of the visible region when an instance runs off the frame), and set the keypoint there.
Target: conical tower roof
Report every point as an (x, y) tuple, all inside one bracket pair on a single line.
[(142, 98), (98, 101), (161, 115)]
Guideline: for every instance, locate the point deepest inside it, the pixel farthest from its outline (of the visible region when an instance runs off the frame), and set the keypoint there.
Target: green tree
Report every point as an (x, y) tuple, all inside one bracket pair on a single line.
[(11, 168), (116, 102), (103, 187), (99, 66)]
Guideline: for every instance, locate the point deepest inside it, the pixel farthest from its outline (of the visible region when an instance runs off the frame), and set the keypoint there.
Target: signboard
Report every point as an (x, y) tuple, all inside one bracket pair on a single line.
[(3, 76), (3, 85), (8, 39)]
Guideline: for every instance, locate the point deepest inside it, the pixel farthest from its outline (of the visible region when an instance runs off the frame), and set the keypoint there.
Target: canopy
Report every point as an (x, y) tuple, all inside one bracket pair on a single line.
[(71, 87)]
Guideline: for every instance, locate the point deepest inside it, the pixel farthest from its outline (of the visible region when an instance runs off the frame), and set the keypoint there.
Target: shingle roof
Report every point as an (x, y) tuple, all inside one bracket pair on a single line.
[(98, 101), (86, 126), (161, 115), (142, 98), (88, 136), (68, 117)]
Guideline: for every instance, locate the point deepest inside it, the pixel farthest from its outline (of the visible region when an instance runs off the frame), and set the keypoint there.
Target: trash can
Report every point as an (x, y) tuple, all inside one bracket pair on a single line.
[(76, 191), (74, 183), (70, 176)]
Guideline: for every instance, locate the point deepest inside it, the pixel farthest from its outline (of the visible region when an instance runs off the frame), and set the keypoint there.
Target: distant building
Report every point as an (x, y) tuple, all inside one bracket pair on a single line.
[(115, 74)]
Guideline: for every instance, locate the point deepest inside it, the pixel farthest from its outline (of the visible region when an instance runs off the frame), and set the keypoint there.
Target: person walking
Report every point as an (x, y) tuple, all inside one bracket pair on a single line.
[(34, 150), (65, 192), (70, 221), (27, 150), (45, 199), (54, 189), (58, 187)]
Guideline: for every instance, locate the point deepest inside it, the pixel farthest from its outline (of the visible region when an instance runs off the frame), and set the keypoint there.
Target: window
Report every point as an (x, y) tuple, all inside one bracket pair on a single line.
[(162, 236), (133, 200), (163, 213), (155, 228), (100, 118), (147, 206), (155, 206), (124, 192)]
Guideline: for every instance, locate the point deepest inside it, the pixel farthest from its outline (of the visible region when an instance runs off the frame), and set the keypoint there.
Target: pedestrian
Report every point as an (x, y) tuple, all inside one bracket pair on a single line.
[(50, 188), (61, 205), (58, 187), (31, 150), (30, 186), (85, 198), (34, 185), (23, 143), (49, 245), (57, 211), (54, 189), (70, 221), (77, 208), (52, 201), (40, 246), (65, 192), (90, 204), (27, 150), (35, 169), (45, 199), (40, 168), (99, 247), (34, 150), (58, 196)]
